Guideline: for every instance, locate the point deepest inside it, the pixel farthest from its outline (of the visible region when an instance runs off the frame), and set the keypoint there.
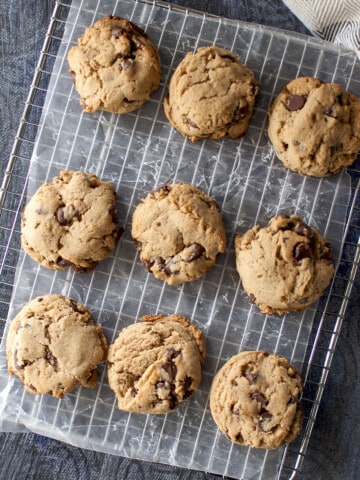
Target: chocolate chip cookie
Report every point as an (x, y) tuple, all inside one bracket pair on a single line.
[(285, 266), (156, 364), (315, 127), (178, 231), (211, 95), (254, 400), (53, 346), (115, 66), (70, 222)]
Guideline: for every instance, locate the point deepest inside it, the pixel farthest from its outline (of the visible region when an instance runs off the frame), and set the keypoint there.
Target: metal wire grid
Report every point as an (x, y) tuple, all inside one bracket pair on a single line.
[(327, 322)]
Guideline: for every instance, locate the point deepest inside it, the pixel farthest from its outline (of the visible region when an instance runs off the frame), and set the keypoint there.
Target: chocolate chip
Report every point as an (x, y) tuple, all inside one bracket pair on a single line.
[(134, 392), (62, 262), (304, 230), (127, 64), (327, 254), (228, 57), (167, 267), (50, 358), (173, 402), (301, 251), (251, 377), (116, 31), (191, 123), (74, 305), (292, 400), (196, 252), (170, 369), (264, 416), (252, 298), (171, 353), (147, 264), (60, 217), (259, 397), (137, 244), (295, 102), (240, 113), (186, 385)]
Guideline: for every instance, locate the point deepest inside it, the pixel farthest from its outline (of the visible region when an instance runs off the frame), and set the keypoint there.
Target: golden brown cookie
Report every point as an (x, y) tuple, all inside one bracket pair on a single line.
[(178, 231), (285, 266), (254, 400), (211, 95), (53, 346), (156, 364), (70, 222), (315, 127), (115, 66)]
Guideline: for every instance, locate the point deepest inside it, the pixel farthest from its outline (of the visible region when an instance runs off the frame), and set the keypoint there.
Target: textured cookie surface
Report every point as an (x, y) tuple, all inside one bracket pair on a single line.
[(178, 230), (115, 66), (53, 346), (254, 400), (285, 266), (211, 95), (156, 364), (315, 127), (70, 222)]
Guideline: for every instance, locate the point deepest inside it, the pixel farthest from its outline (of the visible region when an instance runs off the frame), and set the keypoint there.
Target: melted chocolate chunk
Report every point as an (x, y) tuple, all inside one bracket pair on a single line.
[(147, 264), (62, 262), (263, 418), (259, 397), (171, 353), (304, 230), (240, 113), (116, 31), (197, 252), (192, 123), (251, 377), (301, 251), (327, 253), (186, 384), (252, 298), (170, 369), (235, 410), (134, 392), (127, 64), (295, 102)]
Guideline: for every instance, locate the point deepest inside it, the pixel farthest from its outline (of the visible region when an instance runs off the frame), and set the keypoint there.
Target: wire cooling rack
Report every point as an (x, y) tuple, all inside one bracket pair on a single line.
[(137, 152)]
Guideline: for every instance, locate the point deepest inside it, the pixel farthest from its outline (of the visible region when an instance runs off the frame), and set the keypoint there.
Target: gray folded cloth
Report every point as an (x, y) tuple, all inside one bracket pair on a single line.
[(337, 21)]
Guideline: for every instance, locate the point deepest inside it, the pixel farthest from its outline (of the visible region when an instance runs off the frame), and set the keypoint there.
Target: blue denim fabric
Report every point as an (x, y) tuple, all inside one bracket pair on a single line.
[(334, 447)]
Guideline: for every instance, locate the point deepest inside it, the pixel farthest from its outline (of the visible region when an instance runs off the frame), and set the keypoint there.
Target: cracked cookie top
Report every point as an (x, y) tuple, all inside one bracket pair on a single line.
[(211, 95), (178, 231), (315, 127), (70, 222), (156, 364), (285, 266), (53, 346), (115, 66), (254, 400)]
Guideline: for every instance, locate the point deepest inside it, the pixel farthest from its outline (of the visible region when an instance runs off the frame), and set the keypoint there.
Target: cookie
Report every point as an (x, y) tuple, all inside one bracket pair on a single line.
[(285, 266), (115, 66), (70, 222), (211, 95), (315, 127), (178, 231), (156, 364), (53, 346), (254, 400)]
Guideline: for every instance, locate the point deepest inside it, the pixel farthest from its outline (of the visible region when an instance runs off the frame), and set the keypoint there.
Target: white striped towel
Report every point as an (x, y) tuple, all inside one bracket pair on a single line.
[(337, 21)]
